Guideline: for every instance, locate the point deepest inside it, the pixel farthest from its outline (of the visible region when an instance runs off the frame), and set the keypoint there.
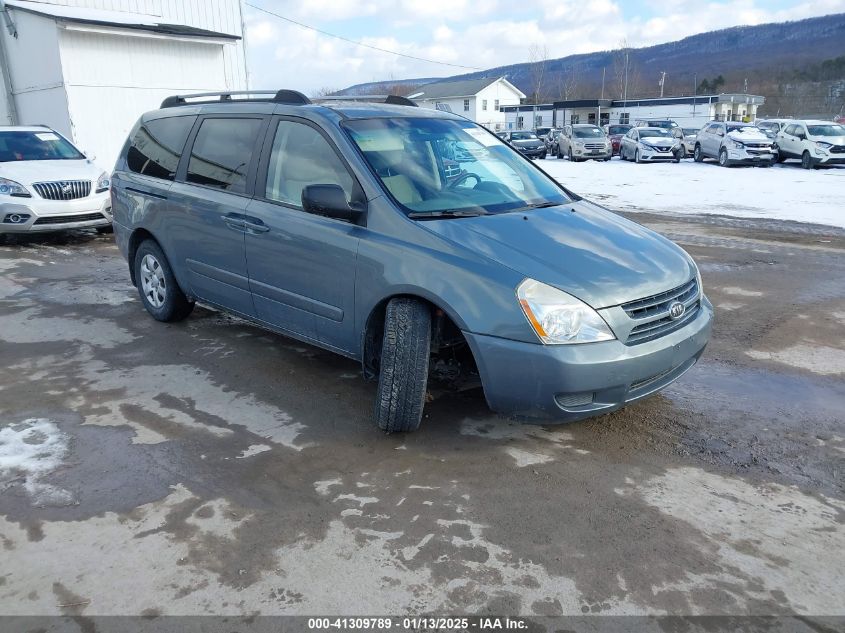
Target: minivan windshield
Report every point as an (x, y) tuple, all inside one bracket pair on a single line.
[(587, 132), (441, 167), (18, 145)]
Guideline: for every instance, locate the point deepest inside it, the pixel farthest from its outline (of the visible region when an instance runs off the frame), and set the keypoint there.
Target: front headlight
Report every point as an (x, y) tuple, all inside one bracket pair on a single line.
[(737, 145), (12, 188), (823, 145), (559, 318), (103, 183)]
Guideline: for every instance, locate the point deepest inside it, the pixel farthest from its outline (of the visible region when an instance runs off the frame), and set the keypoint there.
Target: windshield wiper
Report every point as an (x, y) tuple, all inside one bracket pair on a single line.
[(449, 213), (539, 205)]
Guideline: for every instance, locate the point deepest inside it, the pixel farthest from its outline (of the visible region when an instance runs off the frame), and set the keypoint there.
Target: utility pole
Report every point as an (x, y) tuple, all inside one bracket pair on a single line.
[(625, 90), (694, 91), (602, 81), (662, 81)]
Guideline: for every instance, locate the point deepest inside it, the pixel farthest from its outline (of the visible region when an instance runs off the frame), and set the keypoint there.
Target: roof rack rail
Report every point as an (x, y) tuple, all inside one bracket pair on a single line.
[(290, 97), (391, 99)]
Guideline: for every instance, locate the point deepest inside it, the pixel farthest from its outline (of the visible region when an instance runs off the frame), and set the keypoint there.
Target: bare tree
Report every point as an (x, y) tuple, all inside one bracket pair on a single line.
[(325, 91), (538, 56), (568, 81), (626, 75)]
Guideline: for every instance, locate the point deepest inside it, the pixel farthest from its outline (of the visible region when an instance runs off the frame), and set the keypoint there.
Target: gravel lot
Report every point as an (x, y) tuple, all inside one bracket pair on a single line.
[(211, 467)]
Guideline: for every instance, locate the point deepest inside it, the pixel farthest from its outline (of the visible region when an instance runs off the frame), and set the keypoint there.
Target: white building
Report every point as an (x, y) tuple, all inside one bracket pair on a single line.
[(685, 111), (90, 68), (480, 100)]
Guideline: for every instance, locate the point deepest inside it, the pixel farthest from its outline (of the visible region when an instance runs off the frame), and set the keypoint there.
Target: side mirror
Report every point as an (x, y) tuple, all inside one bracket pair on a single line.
[(330, 201)]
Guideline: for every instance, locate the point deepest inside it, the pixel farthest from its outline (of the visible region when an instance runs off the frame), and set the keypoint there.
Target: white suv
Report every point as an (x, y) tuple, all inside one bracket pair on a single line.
[(816, 143), (734, 143), (47, 184)]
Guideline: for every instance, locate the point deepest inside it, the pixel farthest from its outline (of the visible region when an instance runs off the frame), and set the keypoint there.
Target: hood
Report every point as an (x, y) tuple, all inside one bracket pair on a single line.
[(659, 141), (833, 140), (753, 136), (27, 172), (591, 253)]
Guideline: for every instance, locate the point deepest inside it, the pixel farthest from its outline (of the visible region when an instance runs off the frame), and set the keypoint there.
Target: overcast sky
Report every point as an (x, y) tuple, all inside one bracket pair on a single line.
[(474, 33)]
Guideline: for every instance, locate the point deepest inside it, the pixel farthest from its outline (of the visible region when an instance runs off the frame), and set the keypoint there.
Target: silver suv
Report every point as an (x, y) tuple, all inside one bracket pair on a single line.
[(734, 143), (583, 142)]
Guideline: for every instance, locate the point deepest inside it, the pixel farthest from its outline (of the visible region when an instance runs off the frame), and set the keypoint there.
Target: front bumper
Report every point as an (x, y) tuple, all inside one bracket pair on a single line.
[(829, 159), (751, 156), (532, 152), (572, 382), (586, 154), (36, 215), (654, 156)]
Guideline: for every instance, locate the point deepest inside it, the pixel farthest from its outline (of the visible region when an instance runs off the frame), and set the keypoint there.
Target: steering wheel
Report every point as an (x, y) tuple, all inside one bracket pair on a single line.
[(464, 176)]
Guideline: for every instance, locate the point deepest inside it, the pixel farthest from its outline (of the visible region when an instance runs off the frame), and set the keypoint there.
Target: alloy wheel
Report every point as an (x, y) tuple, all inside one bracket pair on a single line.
[(153, 282)]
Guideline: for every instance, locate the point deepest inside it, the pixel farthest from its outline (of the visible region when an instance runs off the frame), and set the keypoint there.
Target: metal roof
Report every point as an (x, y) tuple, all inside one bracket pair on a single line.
[(452, 89), (114, 19)]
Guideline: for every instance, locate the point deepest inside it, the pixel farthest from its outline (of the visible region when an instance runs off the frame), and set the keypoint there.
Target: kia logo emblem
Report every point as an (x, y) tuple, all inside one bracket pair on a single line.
[(676, 310)]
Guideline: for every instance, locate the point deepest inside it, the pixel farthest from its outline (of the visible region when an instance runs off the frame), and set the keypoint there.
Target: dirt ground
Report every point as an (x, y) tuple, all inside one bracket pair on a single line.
[(211, 467)]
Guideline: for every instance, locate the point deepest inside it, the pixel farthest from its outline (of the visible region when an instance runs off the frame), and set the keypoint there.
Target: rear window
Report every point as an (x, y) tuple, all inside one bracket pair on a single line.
[(222, 153), (157, 146)]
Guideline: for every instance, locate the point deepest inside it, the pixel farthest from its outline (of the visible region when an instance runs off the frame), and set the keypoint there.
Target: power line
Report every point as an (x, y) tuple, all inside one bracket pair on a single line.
[(375, 48)]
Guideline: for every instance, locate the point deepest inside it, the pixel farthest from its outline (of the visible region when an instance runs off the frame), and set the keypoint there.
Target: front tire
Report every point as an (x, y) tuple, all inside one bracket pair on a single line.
[(697, 154), (571, 157), (160, 294), (807, 160), (637, 156), (403, 371), (723, 158)]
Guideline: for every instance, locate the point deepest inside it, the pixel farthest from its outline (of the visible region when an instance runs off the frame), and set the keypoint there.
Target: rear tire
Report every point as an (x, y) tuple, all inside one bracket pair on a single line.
[(697, 154), (160, 294), (403, 371)]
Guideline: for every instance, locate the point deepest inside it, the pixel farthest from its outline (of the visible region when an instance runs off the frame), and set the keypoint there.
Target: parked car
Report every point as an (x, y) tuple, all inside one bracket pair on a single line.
[(584, 142), (666, 124), (650, 145), (772, 126), (542, 132), (815, 143), (527, 143), (550, 140), (48, 184), (688, 141), (333, 224), (734, 143), (615, 132)]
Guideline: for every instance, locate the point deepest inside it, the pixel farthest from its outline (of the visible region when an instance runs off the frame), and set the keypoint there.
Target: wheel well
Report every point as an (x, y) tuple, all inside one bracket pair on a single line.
[(446, 336), (137, 237)]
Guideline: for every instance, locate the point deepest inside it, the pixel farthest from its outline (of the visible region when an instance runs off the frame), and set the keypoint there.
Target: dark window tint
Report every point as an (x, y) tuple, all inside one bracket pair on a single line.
[(36, 145), (157, 146), (222, 152), (302, 157)]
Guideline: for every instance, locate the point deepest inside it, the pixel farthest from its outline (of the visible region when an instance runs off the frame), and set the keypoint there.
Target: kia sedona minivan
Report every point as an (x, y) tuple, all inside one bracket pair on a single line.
[(351, 225)]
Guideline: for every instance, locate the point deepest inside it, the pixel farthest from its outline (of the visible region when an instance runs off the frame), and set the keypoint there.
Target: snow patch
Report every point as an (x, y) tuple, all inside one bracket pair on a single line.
[(527, 458), (31, 450), (741, 292), (255, 449)]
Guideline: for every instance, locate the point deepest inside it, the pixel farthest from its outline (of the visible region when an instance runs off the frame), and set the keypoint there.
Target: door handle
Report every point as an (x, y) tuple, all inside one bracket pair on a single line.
[(254, 225), (234, 221)]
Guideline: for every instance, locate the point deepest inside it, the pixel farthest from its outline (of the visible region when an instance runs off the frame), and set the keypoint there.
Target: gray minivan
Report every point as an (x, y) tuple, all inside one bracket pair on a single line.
[(409, 239)]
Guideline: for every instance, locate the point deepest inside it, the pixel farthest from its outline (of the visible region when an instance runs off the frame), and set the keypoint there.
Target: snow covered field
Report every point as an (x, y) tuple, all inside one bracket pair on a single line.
[(782, 192)]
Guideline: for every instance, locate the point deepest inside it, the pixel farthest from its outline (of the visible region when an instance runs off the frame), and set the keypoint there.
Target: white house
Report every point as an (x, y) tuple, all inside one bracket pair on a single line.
[(480, 100), (686, 111), (90, 68)]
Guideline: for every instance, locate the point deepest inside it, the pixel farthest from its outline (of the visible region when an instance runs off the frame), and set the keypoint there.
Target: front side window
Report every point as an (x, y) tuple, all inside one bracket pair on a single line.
[(466, 105), (222, 153), (300, 157), (16, 145), (155, 149), (446, 167)]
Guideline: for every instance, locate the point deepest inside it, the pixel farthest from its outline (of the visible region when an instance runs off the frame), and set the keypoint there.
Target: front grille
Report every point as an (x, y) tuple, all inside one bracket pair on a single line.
[(594, 146), (63, 189), (653, 312), (837, 149), (759, 145), (69, 219)]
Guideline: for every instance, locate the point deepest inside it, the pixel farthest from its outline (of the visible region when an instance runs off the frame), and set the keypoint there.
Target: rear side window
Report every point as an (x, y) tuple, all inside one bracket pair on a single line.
[(222, 153), (156, 147)]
